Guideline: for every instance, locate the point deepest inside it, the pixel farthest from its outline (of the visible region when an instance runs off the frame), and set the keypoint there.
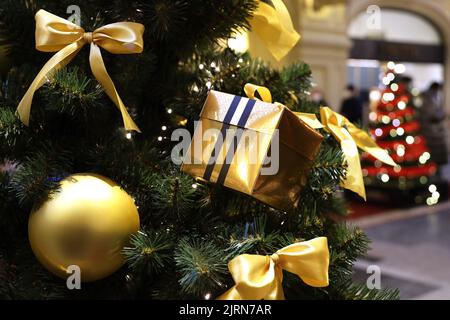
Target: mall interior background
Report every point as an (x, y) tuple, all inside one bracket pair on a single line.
[(350, 42)]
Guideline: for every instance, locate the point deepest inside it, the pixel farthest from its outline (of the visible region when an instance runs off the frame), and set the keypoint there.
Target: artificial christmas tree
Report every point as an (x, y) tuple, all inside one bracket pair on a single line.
[(394, 124), (190, 230)]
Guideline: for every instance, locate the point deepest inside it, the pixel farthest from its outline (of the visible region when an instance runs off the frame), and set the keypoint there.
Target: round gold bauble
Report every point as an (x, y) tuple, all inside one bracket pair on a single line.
[(86, 223)]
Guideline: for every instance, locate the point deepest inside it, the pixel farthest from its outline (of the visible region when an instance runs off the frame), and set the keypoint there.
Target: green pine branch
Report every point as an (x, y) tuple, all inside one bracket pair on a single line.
[(201, 265), (148, 252)]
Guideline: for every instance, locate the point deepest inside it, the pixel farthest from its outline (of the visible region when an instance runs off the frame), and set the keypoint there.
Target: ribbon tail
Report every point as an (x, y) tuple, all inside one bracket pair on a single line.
[(354, 179), (59, 60), (310, 119), (231, 294), (365, 142), (99, 70), (276, 292)]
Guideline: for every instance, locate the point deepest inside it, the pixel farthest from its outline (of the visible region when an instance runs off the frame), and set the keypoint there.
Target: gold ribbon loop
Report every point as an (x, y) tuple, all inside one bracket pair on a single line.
[(260, 277), (57, 34), (251, 89), (273, 25)]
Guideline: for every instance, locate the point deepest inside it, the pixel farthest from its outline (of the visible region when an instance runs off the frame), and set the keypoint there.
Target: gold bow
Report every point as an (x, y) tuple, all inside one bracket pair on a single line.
[(260, 277), (273, 25), (349, 136), (57, 34)]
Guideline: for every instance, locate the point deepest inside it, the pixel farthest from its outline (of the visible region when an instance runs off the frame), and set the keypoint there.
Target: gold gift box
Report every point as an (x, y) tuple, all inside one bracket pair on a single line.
[(242, 130)]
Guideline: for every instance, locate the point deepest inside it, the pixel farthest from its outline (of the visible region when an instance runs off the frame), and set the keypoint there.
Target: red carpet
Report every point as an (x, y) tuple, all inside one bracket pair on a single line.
[(359, 209)]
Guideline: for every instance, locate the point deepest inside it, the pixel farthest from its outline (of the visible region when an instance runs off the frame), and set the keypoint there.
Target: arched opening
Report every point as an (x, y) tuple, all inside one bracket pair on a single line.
[(395, 35), (406, 103), (430, 32)]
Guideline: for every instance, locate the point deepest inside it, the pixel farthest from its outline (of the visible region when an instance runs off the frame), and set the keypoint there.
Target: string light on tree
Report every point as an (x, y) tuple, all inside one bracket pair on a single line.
[(390, 76), (401, 105), (378, 164), (388, 96), (378, 132), (399, 68), (385, 119), (391, 65), (373, 116), (401, 151), (393, 133), (394, 87)]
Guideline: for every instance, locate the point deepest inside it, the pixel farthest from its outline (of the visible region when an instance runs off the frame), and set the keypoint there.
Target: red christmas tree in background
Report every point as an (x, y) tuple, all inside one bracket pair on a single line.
[(395, 127)]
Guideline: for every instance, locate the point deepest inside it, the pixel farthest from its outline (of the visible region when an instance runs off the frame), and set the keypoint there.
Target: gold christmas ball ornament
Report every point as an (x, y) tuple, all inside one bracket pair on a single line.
[(86, 223)]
